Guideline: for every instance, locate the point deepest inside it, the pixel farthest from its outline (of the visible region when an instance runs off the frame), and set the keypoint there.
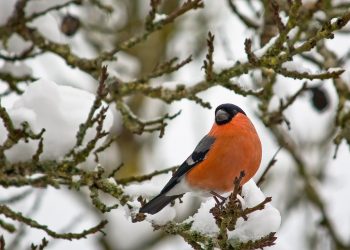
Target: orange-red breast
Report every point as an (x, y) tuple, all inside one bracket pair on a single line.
[(231, 146)]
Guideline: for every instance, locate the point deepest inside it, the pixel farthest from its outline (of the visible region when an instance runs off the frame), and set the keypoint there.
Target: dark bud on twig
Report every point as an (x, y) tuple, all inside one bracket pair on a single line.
[(2, 242), (138, 217), (70, 25), (141, 200), (275, 15), (208, 62), (42, 245), (319, 98)]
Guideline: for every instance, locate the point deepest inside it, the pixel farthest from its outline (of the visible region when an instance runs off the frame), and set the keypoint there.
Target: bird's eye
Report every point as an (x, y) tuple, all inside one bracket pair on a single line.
[(222, 117)]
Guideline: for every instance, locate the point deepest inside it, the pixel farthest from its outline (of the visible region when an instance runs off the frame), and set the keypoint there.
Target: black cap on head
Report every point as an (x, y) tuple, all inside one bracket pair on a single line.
[(225, 112)]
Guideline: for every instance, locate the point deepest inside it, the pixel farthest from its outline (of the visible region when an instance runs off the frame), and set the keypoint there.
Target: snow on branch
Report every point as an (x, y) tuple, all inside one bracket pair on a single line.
[(246, 220)]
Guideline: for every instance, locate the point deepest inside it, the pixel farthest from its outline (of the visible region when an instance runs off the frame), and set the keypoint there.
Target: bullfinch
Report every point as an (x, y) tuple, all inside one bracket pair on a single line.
[(231, 146)]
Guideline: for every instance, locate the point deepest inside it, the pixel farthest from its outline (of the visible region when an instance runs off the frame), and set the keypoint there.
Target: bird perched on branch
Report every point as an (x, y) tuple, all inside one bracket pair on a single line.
[(231, 146)]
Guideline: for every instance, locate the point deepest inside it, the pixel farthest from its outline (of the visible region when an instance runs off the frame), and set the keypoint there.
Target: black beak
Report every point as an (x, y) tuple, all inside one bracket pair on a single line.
[(222, 117)]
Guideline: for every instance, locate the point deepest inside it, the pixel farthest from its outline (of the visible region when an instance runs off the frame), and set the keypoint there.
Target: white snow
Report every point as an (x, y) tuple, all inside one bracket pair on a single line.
[(168, 84), (260, 223), (260, 52), (58, 109), (162, 217), (284, 17), (332, 70), (295, 66), (48, 26), (149, 188), (17, 69), (159, 17), (220, 65), (146, 190), (16, 44), (203, 221)]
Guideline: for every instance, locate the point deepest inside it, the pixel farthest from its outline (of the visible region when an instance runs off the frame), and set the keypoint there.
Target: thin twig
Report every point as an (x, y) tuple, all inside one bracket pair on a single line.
[(268, 167), (141, 178)]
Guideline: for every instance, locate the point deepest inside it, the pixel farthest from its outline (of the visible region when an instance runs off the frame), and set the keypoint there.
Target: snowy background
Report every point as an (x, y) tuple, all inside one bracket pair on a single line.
[(62, 97)]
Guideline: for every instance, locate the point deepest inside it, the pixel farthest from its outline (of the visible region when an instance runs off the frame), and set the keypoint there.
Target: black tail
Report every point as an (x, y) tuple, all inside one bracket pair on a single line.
[(157, 203)]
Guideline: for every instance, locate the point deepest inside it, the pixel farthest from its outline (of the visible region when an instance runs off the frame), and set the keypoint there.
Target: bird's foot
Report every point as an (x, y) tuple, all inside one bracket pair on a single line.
[(219, 199)]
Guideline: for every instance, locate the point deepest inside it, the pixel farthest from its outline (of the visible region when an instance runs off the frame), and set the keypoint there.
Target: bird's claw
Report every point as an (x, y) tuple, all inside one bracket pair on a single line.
[(219, 199)]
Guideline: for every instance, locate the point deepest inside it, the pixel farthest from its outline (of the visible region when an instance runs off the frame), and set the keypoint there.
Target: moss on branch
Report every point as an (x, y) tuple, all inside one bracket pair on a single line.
[(16, 216)]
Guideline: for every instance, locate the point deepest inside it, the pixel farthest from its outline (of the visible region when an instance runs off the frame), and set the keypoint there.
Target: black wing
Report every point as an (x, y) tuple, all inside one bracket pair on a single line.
[(196, 157)]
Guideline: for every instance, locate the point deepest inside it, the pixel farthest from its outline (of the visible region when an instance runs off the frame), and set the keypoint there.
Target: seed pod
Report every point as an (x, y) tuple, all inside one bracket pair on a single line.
[(319, 98), (70, 24)]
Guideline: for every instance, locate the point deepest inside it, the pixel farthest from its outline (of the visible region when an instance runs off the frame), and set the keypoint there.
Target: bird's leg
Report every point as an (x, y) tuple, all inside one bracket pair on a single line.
[(216, 200), (217, 197)]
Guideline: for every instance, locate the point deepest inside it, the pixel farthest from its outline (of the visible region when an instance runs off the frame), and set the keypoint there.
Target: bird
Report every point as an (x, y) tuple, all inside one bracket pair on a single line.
[(231, 146)]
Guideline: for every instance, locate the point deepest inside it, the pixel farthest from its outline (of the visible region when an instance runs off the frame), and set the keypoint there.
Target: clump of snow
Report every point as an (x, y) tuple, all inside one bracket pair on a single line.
[(261, 222), (149, 188), (295, 66), (334, 20), (47, 26), (168, 84), (162, 217), (332, 70), (203, 221), (58, 109), (223, 64), (260, 52), (159, 17), (17, 44), (17, 69), (284, 18)]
